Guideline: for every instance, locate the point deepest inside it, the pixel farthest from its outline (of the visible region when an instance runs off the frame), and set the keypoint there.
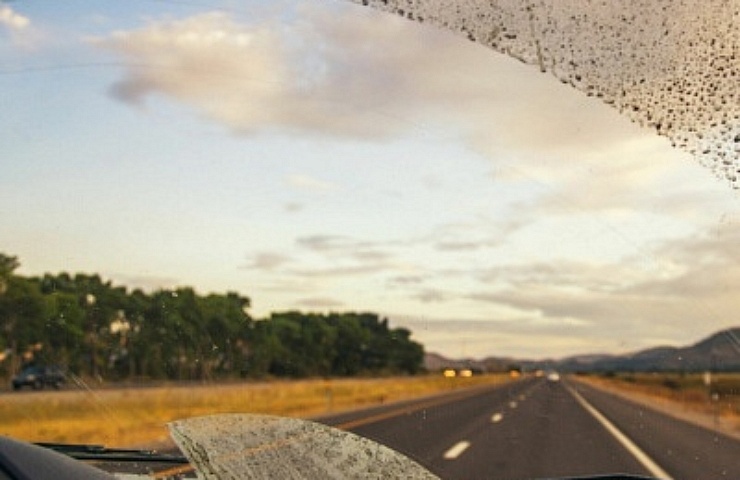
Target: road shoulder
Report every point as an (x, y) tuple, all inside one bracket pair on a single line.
[(668, 407)]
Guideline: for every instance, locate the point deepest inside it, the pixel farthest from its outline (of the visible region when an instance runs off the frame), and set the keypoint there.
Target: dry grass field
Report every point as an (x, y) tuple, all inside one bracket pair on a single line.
[(137, 416), (686, 394)]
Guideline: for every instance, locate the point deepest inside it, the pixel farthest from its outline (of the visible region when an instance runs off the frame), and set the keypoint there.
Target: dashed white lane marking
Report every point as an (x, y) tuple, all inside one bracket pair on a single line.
[(497, 417), (513, 404), (628, 444), (522, 397), (456, 450)]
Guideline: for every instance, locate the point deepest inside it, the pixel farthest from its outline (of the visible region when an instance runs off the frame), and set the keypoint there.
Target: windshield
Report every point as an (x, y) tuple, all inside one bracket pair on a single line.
[(353, 201)]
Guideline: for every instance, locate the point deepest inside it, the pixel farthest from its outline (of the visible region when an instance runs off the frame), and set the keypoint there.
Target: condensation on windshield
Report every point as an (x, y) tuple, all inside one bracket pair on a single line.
[(670, 65), (264, 446)]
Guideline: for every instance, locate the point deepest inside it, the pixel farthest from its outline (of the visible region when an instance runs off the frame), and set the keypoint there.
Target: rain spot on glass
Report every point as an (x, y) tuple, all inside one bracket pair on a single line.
[(669, 65)]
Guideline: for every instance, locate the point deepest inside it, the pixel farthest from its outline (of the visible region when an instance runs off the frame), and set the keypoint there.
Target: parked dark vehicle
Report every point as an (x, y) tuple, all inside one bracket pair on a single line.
[(38, 377)]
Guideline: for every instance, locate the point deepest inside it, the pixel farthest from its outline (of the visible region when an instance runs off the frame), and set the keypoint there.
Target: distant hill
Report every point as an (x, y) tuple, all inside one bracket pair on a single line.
[(718, 352)]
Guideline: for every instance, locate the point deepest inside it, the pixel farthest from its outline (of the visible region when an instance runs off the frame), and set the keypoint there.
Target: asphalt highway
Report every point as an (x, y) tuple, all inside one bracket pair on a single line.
[(536, 428)]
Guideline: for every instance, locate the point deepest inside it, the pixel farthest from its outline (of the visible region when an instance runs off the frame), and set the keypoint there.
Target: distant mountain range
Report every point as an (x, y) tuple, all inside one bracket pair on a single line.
[(718, 352)]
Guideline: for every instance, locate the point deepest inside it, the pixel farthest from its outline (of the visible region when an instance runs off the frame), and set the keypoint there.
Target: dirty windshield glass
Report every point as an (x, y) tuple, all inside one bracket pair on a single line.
[(266, 238)]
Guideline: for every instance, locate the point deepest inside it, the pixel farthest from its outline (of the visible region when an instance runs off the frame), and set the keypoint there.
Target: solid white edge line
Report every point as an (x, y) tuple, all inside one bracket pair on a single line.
[(628, 444), (456, 450)]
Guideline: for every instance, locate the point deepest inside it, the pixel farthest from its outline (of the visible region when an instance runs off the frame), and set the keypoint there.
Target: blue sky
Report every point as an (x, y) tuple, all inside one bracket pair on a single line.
[(323, 156)]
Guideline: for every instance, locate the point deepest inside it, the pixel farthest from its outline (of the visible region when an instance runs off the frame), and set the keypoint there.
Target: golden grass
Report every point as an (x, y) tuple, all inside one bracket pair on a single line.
[(686, 393), (137, 416)]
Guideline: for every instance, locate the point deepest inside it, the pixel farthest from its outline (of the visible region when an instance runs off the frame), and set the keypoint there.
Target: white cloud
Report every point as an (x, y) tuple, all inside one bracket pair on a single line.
[(310, 184), (325, 243), (12, 20), (342, 72), (268, 261), (357, 270), (402, 280), (337, 248), (432, 295), (250, 78), (293, 207), (319, 302), (684, 289), (336, 71), (18, 28)]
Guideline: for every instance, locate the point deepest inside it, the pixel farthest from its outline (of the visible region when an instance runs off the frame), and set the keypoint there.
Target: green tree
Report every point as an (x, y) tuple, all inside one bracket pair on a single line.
[(405, 355), (227, 324), (65, 329), (101, 330), (351, 343), (8, 265), (22, 321)]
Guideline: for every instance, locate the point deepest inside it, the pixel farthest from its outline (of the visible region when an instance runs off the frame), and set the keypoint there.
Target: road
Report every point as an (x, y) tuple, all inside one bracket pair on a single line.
[(535, 428)]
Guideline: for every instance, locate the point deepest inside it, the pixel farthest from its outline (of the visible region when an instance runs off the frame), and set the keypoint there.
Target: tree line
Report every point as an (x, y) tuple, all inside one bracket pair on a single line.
[(99, 330)]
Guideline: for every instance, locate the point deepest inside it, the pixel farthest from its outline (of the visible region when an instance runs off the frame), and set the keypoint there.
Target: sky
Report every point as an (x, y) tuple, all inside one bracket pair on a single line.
[(324, 157)]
